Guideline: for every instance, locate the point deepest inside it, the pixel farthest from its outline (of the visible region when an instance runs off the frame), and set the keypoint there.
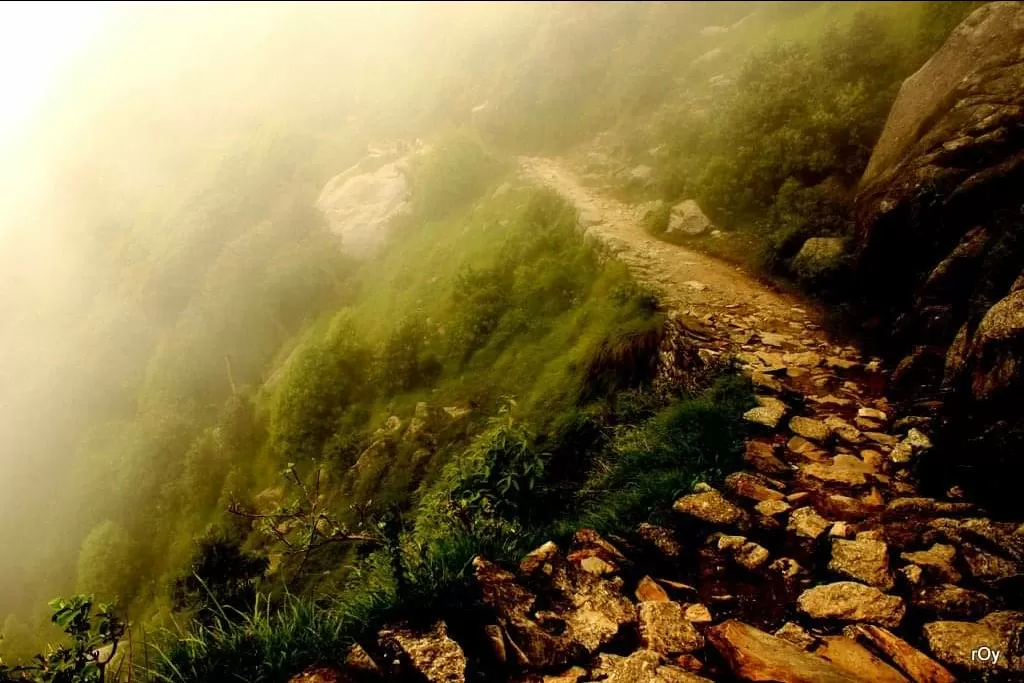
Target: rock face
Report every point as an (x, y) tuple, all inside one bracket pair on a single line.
[(940, 244)]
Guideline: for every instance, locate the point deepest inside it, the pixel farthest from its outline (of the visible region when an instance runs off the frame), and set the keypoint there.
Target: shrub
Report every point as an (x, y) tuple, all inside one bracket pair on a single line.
[(94, 632), (647, 466), (220, 575), (406, 361), (500, 473), (450, 175), (328, 373), (108, 563)]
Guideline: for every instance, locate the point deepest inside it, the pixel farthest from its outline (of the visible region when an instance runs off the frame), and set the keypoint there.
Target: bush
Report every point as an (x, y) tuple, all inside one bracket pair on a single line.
[(450, 175), (269, 643), (221, 575), (327, 374), (109, 562), (406, 361), (784, 147), (480, 298), (500, 473), (94, 632)]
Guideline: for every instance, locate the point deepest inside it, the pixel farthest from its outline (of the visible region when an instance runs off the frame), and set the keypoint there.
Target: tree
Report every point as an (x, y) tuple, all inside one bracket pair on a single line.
[(108, 563), (305, 526)]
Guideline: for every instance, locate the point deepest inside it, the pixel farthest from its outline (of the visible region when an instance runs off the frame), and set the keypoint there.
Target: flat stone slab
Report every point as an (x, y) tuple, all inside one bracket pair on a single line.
[(864, 560), (812, 430), (754, 655), (768, 413), (911, 661), (710, 507)]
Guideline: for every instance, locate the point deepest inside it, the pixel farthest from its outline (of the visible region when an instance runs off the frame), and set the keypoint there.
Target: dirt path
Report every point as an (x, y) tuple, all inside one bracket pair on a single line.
[(722, 295)]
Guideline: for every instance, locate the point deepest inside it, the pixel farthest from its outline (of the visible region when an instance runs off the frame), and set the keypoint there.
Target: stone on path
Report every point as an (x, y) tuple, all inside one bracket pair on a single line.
[(710, 507), (863, 560), (914, 663), (746, 485), (754, 655), (648, 590), (852, 602), (952, 642), (773, 508), (761, 456), (937, 562), (948, 601), (768, 413), (857, 660), (812, 430), (806, 523), (664, 628), (438, 658)]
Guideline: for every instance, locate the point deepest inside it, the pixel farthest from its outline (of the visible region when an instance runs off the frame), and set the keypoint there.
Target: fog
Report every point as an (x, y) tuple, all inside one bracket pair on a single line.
[(161, 258), (126, 133)]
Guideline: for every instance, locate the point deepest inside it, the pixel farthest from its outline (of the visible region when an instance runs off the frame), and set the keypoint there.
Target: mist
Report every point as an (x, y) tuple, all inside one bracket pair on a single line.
[(135, 130), (554, 187)]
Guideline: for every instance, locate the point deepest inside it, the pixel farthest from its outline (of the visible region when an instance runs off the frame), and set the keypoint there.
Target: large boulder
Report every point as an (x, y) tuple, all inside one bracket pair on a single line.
[(818, 258), (359, 204), (939, 249), (686, 218)]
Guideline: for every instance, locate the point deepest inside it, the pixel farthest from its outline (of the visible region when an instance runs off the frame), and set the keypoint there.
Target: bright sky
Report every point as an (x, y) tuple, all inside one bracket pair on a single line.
[(37, 39)]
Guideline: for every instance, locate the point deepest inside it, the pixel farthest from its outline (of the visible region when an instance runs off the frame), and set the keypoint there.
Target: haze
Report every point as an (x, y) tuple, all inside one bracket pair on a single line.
[(305, 306)]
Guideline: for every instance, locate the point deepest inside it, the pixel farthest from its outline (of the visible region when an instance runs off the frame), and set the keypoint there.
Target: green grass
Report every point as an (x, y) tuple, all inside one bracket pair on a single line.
[(268, 644), (649, 465)]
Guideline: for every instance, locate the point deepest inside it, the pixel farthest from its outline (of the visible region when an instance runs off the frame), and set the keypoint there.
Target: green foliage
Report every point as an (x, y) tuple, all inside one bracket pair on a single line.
[(221, 574), (782, 148), (500, 472), (325, 375), (94, 640), (109, 562), (455, 173), (406, 360), (481, 297), (648, 465), (268, 643)]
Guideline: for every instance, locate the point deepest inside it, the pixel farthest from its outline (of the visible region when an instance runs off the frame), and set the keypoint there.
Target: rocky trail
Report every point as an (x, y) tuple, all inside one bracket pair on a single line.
[(819, 562), (685, 280)]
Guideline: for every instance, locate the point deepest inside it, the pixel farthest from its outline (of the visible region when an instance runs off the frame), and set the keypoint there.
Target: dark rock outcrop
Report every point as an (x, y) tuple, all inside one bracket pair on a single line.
[(940, 244)]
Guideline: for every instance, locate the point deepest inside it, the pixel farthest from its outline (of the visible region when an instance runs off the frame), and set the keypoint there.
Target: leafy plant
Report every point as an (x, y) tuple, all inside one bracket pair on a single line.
[(501, 471), (94, 639)]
